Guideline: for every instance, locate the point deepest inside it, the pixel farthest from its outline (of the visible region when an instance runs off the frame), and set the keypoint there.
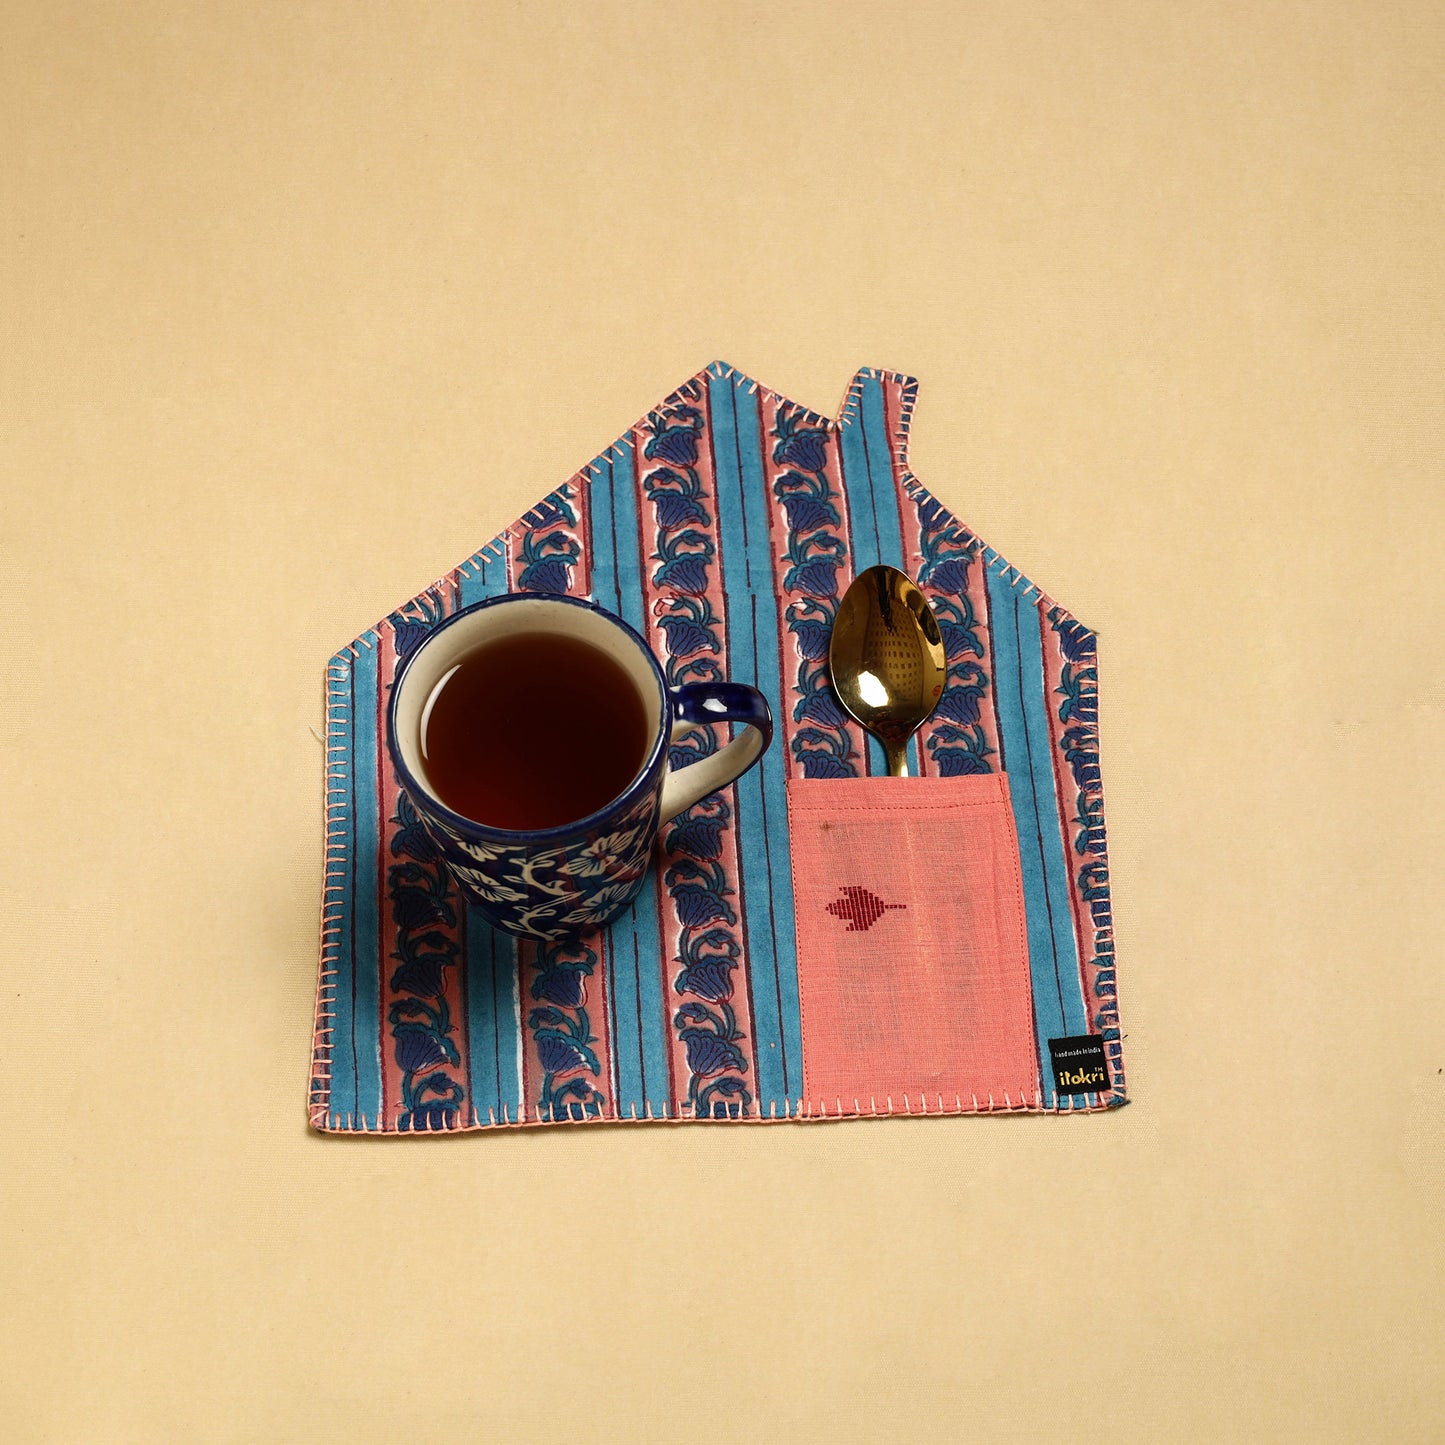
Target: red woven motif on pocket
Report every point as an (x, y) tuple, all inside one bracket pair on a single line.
[(861, 907)]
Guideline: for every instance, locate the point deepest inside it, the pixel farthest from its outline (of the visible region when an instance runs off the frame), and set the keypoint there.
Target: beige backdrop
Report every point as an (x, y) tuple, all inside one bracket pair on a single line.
[(302, 302)]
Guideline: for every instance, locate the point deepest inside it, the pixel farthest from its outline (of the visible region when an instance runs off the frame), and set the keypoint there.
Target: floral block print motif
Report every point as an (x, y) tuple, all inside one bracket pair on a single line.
[(810, 540), (711, 1059), (724, 527), (422, 1065)]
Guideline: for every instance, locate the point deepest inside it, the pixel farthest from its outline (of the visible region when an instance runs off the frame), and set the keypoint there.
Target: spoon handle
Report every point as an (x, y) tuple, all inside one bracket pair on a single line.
[(897, 755)]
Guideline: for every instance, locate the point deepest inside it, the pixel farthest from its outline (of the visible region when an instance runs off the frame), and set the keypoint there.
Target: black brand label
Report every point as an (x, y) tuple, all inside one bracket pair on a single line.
[(1079, 1065)]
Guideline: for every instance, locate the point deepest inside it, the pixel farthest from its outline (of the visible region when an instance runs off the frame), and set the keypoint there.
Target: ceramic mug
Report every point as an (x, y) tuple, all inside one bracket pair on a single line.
[(556, 883)]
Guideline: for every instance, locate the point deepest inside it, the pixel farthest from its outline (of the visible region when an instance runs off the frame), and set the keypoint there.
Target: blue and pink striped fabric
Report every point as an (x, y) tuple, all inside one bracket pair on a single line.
[(724, 527)]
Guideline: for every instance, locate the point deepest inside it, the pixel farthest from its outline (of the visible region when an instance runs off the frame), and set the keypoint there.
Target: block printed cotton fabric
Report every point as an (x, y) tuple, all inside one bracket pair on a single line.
[(725, 526)]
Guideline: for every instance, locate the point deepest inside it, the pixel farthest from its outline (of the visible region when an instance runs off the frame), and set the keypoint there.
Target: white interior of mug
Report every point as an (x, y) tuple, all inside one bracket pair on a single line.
[(444, 649)]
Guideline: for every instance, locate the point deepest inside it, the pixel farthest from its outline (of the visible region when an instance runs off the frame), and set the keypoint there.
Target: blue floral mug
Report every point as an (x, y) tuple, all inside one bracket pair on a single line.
[(556, 883)]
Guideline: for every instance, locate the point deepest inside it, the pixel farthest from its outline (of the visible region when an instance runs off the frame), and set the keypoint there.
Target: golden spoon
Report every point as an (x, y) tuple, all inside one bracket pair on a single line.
[(887, 660)]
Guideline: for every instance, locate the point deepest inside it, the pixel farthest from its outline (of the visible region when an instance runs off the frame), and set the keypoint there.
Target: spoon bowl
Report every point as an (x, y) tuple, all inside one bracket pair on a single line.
[(887, 659)]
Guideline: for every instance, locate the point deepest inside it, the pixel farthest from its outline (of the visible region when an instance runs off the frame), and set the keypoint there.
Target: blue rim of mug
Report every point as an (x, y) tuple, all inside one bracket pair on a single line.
[(414, 786)]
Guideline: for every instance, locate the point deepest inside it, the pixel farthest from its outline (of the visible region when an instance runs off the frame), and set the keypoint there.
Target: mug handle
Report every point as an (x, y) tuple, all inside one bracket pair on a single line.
[(695, 703)]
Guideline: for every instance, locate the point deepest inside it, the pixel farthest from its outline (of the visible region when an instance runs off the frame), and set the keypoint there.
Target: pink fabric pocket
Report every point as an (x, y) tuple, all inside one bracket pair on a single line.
[(913, 967)]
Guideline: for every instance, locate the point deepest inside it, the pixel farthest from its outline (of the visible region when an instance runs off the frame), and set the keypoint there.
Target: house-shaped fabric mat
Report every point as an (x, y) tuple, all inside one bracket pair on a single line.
[(724, 526)]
